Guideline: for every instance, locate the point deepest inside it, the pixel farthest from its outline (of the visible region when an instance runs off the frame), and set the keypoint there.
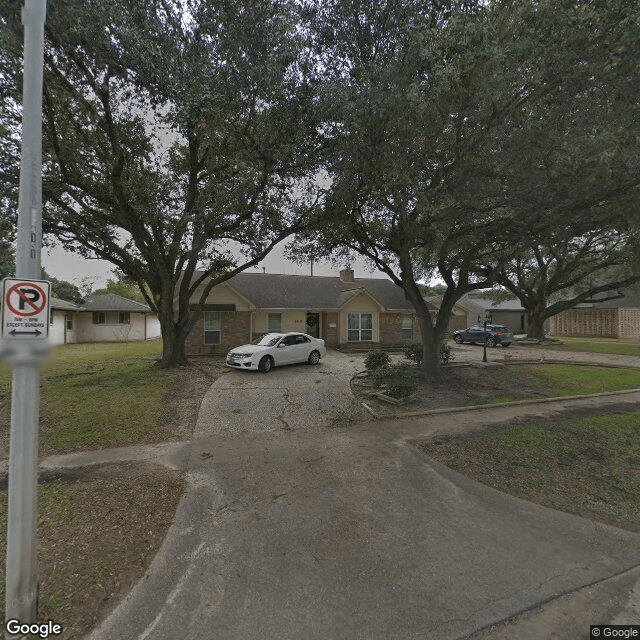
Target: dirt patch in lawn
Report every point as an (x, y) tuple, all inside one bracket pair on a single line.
[(183, 397), (464, 385), (587, 464)]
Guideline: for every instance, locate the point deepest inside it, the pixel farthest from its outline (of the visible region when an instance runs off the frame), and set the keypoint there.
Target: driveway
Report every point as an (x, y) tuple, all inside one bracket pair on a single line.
[(303, 520)]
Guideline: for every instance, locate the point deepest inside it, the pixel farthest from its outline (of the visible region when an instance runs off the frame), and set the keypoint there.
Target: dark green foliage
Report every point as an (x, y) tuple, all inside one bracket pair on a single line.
[(376, 360), (123, 286), (65, 290), (398, 381), (171, 131), (415, 351)]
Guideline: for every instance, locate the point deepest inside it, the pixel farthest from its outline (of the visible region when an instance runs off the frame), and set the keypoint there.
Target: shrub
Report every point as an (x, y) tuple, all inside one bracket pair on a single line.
[(399, 381), (376, 360), (415, 353)]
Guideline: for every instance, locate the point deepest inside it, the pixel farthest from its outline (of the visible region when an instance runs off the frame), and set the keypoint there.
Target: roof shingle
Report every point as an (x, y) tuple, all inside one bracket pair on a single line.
[(280, 291)]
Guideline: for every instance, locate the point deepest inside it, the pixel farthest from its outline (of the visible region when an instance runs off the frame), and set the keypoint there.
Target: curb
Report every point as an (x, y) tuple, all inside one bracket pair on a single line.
[(516, 403)]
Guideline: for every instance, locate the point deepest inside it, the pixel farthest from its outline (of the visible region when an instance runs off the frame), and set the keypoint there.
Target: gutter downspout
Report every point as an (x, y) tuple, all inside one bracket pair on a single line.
[(251, 326)]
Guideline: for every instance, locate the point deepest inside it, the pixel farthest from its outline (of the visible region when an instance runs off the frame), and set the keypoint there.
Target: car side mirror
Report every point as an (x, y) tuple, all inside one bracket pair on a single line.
[(281, 345)]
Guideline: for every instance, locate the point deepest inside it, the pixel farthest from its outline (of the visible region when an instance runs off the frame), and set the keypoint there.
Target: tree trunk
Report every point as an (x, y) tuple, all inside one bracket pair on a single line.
[(174, 337), (535, 322), (431, 348)]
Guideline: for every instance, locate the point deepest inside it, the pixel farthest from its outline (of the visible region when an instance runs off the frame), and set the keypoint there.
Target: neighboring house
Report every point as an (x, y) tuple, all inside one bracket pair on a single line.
[(341, 310), (459, 318), (62, 321), (510, 313), (619, 318), (106, 318)]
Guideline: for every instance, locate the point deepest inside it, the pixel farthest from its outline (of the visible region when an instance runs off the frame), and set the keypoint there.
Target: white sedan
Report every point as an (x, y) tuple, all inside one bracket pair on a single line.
[(275, 349)]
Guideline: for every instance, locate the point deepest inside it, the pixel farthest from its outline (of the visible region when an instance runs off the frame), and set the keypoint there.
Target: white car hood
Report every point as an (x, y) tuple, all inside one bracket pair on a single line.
[(249, 348)]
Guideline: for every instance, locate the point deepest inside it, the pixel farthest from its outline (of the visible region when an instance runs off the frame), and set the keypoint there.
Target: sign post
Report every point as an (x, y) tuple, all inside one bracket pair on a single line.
[(25, 324)]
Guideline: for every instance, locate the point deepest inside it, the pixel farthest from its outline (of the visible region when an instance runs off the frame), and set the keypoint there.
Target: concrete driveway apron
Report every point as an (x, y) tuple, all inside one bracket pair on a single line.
[(300, 523)]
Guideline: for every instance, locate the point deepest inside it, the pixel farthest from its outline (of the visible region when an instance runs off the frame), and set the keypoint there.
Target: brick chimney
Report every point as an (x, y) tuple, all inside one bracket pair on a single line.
[(346, 275)]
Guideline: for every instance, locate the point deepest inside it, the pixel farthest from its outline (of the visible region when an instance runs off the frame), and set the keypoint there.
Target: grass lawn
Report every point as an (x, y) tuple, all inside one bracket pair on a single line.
[(533, 381), (587, 466), (96, 395), (597, 345)]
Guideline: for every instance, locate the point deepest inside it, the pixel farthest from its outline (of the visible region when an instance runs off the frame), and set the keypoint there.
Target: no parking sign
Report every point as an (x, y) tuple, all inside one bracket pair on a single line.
[(25, 309)]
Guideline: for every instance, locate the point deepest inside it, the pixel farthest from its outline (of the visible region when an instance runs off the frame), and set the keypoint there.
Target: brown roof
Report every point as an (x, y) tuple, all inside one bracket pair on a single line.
[(279, 291)]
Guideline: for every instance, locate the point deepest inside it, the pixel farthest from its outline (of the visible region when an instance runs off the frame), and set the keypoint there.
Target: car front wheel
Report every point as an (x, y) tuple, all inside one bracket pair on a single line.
[(491, 342), (458, 339), (265, 364), (314, 357)]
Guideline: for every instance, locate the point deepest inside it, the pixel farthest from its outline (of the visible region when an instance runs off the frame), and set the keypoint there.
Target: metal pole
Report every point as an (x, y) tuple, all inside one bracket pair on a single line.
[(484, 351), (26, 356)]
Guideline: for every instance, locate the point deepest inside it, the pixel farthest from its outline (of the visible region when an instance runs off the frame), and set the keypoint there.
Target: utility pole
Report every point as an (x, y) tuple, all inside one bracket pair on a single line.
[(26, 354)]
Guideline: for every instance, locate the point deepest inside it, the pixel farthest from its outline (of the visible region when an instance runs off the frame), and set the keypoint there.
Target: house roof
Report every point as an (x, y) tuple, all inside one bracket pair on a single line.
[(58, 303), (279, 291), (475, 304), (618, 303), (113, 302)]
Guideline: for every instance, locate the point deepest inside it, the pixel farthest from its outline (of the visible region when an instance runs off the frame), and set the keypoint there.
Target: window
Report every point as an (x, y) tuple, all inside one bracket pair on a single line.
[(360, 327), (111, 317), (407, 328), (274, 322), (68, 318), (212, 327)]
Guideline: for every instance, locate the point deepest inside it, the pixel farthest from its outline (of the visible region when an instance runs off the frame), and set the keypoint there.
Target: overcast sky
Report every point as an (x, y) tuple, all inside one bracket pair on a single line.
[(71, 267)]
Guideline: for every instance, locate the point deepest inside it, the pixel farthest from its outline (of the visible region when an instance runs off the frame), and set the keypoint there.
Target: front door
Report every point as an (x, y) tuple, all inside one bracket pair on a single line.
[(313, 324)]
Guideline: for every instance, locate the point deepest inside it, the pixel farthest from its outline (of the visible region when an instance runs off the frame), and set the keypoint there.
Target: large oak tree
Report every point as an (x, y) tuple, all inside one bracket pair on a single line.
[(421, 98), (172, 130)]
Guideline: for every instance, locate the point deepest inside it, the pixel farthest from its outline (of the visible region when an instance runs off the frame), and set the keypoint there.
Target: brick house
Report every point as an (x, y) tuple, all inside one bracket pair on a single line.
[(343, 311)]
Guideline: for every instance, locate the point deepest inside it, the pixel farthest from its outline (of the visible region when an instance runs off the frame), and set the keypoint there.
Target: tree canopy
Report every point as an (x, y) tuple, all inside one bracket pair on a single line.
[(171, 131)]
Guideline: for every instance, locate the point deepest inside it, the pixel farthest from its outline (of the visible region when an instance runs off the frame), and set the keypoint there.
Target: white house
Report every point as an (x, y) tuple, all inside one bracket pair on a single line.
[(106, 318)]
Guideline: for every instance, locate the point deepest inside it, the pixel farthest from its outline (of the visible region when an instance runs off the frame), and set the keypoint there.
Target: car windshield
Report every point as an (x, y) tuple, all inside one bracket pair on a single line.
[(269, 340)]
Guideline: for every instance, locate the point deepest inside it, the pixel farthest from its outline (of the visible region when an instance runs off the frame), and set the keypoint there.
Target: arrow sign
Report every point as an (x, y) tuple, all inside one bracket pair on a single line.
[(25, 309), (13, 332)]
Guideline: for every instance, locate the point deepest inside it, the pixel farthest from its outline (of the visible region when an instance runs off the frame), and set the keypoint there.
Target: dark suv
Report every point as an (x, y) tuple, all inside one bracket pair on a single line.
[(496, 334)]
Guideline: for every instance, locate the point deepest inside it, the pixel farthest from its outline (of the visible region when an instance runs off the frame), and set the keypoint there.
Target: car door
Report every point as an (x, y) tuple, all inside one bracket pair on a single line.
[(302, 348), (285, 352), (474, 334)]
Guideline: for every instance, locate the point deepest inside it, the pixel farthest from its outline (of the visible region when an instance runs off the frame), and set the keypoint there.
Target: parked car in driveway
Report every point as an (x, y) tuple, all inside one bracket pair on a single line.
[(275, 349), (496, 334)]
